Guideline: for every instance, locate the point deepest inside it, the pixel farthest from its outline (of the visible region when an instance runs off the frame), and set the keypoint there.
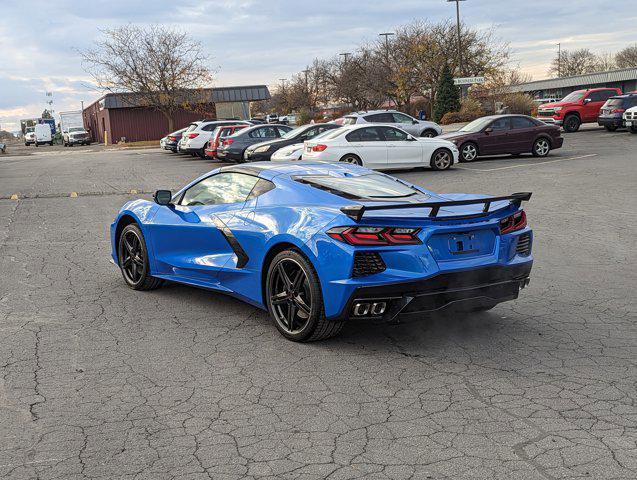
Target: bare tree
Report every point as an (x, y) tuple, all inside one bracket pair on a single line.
[(576, 62), (157, 66), (627, 57)]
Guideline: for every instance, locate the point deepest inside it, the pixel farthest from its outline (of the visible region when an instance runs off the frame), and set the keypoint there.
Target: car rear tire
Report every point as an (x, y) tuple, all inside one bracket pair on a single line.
[(351, 158), (541, 147), (132, 257), (468, 152), (572, 123), (295, 301), (429, 133), (441, 159), (610, 128)]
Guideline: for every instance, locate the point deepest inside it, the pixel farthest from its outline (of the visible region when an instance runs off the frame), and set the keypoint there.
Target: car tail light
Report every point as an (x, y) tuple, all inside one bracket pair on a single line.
[(512, 223), (618, 110), (228, 141), (192, 135), (372, 236), (172, 139), (319, 148)]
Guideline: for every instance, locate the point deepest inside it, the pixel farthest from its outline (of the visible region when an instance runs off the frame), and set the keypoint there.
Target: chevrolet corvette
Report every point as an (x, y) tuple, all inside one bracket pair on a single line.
[(318, 244)]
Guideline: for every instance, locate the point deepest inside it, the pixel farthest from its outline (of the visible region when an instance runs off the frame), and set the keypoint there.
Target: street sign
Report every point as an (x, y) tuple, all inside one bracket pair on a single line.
[(468, 80)]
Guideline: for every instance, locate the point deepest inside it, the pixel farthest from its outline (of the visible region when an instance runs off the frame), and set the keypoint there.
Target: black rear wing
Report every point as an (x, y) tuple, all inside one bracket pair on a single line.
[(356, 212)]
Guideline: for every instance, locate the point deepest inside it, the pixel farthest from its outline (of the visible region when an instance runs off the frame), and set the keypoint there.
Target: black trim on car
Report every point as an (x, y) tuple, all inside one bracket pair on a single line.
[(242, 256)]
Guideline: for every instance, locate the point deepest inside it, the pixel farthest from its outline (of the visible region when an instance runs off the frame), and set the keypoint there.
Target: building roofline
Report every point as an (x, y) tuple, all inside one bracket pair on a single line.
[(617, 75)]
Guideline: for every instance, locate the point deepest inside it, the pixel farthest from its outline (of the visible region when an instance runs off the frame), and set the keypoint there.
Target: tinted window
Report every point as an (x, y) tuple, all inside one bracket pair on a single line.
[(264, 132), (219, 189), (601, 96), (375, 185), (210, 128), (522, 122), (500, 124), (394, 135), (370, 134), (349, 121), (380, 118), (402, 118), (283, 130), (262, 186)]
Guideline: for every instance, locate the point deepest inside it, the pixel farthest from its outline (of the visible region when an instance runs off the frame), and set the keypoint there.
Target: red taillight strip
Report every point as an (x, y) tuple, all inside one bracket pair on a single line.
[(512, 223), (375, 236)]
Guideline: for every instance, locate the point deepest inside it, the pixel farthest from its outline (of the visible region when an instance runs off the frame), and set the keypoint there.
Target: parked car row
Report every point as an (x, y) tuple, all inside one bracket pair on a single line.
[(381, 140), (604, 106)]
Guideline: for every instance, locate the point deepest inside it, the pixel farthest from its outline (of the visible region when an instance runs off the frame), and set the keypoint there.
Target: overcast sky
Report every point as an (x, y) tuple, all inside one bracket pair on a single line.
[(260, 41)]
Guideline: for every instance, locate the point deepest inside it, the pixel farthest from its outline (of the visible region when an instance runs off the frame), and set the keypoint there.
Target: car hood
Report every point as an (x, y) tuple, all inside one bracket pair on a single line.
[(452, 135), (547, 106)]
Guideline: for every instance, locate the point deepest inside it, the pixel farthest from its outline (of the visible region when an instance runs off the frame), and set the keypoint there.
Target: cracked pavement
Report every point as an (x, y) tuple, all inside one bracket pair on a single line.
[(102, 382)]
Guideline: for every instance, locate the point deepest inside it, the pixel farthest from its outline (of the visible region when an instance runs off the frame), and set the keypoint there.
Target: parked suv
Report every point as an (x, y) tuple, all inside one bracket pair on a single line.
[(217, 136), (418, 128), (630, 119), (580, 106), (195, 139), (610, 116), (76, 135)]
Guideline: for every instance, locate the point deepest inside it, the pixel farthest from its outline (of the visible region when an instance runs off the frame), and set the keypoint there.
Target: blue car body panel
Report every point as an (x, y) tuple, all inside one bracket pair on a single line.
[(186, 243)]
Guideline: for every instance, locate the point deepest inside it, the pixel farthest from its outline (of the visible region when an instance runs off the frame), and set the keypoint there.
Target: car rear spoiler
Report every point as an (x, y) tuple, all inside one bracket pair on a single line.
[(356, 212)]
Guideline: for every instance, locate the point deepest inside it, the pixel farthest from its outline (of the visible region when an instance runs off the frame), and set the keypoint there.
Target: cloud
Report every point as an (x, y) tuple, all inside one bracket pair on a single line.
[(254, 41)]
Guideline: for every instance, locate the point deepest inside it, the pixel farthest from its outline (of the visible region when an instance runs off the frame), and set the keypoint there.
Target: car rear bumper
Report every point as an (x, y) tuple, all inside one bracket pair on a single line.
[(464, 289), (610, 121), (551, 120)]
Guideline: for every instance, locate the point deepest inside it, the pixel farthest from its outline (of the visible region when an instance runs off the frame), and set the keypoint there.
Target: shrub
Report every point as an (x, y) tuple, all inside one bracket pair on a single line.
[(303, 117), (520, 103), (471, 108)]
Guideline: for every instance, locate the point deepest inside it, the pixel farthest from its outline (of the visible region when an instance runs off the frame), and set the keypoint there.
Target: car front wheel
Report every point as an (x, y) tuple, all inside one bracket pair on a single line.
[(541, 147), (442, 159), (429, 133), (132, 257), (468, 152), (351, 158), (572, 123), (610, 128), (294, 299)]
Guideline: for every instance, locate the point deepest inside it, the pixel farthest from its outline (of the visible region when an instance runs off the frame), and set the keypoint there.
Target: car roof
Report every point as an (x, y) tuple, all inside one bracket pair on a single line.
[(369, 112)]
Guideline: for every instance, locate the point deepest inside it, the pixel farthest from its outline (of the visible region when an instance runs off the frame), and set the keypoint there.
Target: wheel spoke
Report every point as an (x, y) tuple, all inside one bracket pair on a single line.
[(138, 260), (291, 314), (284, 276), (126, 263), (301, 305), (299, 278), (279, 298), (128, 245)]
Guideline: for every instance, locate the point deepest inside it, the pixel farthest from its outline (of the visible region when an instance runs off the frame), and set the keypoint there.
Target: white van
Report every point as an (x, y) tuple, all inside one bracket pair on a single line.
[(43, 134)]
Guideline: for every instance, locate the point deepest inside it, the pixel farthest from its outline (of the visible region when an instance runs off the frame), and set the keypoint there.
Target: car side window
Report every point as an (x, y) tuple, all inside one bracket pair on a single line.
[(394, 135), (264, 132), (500, 124), (402, 118), (222, 188), (262, 186), (521, 122), (606, 94), (282, 131), (209, 128), (371, 134), (380, 118)]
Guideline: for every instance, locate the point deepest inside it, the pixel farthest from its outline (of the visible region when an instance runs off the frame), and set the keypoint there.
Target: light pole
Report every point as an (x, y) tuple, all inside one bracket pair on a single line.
[(460, 67), (559, 60), (386, 35)]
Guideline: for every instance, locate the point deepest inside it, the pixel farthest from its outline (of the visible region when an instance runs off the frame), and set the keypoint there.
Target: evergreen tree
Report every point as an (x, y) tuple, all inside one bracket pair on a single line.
[(448, 97)]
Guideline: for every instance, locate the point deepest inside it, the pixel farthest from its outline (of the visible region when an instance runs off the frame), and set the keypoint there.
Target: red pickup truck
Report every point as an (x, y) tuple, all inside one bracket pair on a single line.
[(580, 106)]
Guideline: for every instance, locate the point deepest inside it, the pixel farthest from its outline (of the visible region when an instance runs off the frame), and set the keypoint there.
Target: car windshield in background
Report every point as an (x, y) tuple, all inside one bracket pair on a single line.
[(330, 134), (370, 186), (476, 125), (615, 102), (573, 97), (294, 132), (349, 121), (76, 129)]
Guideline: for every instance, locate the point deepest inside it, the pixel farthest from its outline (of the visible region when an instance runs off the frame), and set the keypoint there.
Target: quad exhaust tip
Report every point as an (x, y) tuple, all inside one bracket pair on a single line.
[(364, 309)]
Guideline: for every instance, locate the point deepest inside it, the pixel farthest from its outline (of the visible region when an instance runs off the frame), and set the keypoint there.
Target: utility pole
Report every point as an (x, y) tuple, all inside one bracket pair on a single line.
[(386, 35), (559, 60), (345, 55), (460, 66)]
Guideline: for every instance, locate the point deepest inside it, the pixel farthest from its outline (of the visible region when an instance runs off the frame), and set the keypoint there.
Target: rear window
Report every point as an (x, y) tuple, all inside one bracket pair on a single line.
[(349, 121), (372, 186), (614, 102), (330, 134)]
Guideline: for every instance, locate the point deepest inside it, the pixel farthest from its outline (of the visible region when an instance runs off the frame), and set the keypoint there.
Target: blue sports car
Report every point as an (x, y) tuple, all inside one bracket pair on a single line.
[(319, 244)]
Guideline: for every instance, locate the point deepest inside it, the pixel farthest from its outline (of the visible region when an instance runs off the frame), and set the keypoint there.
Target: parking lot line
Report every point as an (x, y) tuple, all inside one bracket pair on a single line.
[(483, 170)]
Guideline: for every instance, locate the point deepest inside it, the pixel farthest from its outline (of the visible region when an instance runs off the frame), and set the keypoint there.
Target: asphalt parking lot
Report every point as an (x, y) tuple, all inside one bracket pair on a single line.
[(99, 381)]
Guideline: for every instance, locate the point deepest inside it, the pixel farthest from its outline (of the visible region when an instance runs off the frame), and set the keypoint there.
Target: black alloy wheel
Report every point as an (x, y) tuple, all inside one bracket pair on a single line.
[(294, 299), (572, 123), (133, 260)]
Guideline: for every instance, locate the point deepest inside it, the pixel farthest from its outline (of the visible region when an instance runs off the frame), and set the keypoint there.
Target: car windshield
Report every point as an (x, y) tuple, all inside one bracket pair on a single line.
[(476, 125), (30, 129), (374, 185), (294, 132), (573, 97), (76, 129)]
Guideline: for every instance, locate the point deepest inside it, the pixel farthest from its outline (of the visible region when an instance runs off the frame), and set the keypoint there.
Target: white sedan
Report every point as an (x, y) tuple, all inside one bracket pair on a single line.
[(380, 147), (291, 153)]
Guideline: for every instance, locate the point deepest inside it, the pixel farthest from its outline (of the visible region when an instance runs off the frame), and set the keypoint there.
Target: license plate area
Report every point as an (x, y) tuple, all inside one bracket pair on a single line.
[(462, 245)]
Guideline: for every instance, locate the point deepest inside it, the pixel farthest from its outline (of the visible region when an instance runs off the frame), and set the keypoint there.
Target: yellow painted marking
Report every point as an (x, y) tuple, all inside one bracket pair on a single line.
[(73, 194), (133, 192), (15, 197)]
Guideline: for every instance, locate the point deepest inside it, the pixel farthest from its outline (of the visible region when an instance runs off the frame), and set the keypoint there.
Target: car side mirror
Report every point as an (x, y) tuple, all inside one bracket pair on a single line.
[(163, 197), (587, 100), (411, 138), (414, 122), (488, 130)]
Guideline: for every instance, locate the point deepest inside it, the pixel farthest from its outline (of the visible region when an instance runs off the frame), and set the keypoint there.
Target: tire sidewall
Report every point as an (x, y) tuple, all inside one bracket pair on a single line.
[(359, 162), (120, 247), (432, 163), (575, 126), (317, 308)]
